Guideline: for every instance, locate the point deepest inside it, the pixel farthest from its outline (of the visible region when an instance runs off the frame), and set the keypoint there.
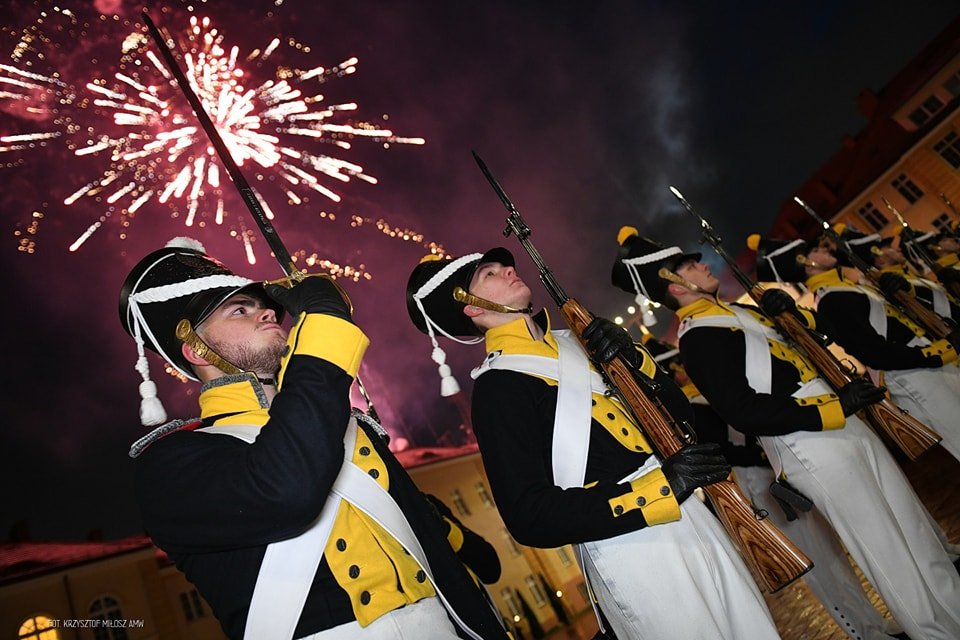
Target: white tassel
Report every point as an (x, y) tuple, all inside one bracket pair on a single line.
[(448, 384), (645, 311), (152, 412)]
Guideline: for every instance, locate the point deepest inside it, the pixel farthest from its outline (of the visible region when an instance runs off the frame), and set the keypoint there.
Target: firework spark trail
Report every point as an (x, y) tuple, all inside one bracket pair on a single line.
[(33, 93), (272, 114), (160, 155)]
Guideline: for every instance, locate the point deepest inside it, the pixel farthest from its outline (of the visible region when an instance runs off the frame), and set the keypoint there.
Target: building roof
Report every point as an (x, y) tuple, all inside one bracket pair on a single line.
[(882, 141), (421, 456), (23, 559)]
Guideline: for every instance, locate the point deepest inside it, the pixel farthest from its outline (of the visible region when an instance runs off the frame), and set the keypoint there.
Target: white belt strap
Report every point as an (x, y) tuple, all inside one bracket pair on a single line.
[(758, 369), (289, 566), (878, 312), (363, 492), (571, 425), (941, 303), (576, 382)]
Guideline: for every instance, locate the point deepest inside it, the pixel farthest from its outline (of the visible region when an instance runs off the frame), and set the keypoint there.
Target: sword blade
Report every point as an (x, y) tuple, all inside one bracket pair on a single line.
[(233, 170)]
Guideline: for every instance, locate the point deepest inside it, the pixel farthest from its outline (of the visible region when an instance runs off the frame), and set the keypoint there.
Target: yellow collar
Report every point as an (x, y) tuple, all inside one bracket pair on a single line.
[(690, 390), (703, 306), (515, 337), (235, 399), (827, 279), (948, 260)]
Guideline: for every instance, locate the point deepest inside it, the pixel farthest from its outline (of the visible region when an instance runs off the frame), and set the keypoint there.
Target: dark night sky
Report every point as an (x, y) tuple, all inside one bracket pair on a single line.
[(585, 112)]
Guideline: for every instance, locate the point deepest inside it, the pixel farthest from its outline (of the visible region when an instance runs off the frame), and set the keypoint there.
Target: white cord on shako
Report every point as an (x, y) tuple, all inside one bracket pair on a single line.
[(448, 384)]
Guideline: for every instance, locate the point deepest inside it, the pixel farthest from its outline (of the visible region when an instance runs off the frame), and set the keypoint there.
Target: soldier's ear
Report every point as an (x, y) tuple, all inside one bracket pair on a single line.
[(472, 311), (191, 355), (676, 290)]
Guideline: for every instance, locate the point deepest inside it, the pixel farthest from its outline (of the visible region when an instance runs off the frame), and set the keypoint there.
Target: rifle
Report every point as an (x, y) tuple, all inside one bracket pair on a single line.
[(904, 301), (774, 560), (247, 194), (908, 433), (911, 237), (953, 209)]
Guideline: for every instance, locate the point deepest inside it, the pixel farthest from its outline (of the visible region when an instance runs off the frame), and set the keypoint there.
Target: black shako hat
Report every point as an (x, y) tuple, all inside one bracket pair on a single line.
[(777, 259), (430, 301), (178, 282), (433, 309), (638, 263), (861, 244)]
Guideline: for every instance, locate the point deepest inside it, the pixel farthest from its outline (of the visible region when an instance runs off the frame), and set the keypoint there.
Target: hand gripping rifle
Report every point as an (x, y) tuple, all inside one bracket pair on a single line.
[(293, 274), (902, 300), (911, 435), (911, 237), (773, 559)]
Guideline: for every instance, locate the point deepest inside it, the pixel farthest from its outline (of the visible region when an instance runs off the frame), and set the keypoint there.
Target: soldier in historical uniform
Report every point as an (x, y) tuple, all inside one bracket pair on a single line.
[(896, 273), (832, 580), (287, 511), (762, 386), (567, 464), (921, 373)]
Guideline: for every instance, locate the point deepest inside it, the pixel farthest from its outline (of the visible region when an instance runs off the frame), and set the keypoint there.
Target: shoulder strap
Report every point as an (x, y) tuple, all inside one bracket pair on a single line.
[(289, 566), (758, 368), (878, 313)]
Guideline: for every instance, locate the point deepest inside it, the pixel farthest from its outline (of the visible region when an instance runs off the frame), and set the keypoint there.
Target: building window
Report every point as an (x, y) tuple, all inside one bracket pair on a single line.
[(565, 559), (108, 611), (484, 494), (872, 216), (907, 188), (511, 601), (943, 222), (192, 605), (457, 498), (511, 543), (922, 114), (538, 595), (952, 84), (949, 149), (39, 628)]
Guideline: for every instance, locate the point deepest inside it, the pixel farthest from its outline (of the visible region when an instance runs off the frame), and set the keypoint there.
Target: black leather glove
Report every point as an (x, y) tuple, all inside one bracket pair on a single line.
[(891, 283), (773, 302), (859, 393), (313, 294), (948, 276), (606, 341), (696, 465)]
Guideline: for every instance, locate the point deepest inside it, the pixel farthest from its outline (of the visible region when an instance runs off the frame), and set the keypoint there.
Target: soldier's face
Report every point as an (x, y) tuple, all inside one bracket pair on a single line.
[(245, 331), (822, 257), (499, 283), (699, 274), (949, 245)]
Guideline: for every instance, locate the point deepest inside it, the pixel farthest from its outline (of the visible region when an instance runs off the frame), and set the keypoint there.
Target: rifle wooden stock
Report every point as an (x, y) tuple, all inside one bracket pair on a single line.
[(926, 318), (912, 436), (772, 558)]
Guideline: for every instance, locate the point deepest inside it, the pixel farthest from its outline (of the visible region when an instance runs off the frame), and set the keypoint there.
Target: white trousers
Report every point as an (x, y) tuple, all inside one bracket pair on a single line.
[(680, 580), (423, 620), (932, 396), (832, 580), (857, 486)]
